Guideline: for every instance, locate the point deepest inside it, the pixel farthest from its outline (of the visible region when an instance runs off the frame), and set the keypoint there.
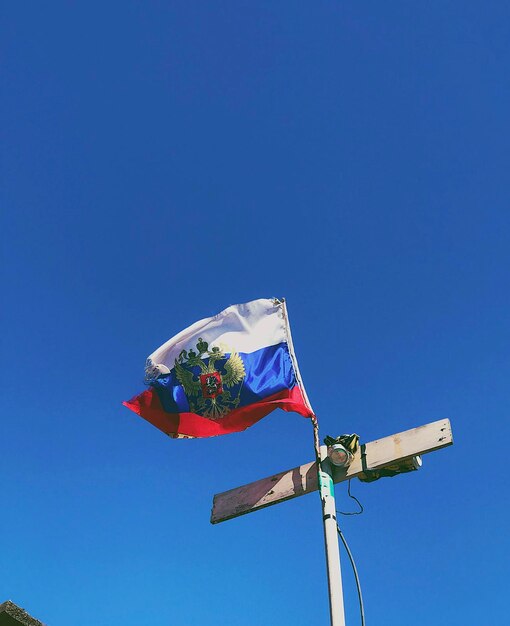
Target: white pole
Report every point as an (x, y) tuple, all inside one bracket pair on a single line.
[(327, 493)]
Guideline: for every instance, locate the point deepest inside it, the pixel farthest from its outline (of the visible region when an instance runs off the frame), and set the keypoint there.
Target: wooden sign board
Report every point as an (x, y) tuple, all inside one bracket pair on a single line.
[(303, 479)]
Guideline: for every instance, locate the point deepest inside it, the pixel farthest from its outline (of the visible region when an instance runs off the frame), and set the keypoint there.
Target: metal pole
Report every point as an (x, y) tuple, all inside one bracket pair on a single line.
[(327, 493)]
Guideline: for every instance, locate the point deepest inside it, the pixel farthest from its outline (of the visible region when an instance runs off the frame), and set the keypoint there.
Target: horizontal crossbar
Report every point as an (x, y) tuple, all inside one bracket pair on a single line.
[(303, 479)]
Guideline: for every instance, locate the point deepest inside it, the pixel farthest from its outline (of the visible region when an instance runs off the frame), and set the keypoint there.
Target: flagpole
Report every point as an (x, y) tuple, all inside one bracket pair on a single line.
[(327, 494)]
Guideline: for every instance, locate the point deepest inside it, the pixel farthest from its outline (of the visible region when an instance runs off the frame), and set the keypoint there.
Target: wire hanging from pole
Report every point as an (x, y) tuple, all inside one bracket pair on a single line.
[(361, 509), (358, 585)]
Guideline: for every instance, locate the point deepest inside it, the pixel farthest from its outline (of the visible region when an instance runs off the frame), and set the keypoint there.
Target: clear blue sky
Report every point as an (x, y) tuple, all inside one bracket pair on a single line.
[(162, 160)]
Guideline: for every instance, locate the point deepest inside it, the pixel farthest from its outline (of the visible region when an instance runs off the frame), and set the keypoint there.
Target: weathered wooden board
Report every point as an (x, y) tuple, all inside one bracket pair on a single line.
[(301, 480)]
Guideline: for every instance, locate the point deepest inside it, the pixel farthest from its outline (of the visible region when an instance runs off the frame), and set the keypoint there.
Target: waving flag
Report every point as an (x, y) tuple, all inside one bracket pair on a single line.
[(223, 373)]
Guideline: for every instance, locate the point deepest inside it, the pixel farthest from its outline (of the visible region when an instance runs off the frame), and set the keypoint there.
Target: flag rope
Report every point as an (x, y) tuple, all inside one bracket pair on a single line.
[(317, 446)]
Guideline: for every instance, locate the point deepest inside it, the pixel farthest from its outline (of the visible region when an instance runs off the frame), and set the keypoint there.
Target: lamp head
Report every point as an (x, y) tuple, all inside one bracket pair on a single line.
[(339, 455)]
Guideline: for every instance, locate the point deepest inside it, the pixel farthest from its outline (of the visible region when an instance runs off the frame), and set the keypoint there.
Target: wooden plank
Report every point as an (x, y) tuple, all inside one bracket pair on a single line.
[(302, 480)]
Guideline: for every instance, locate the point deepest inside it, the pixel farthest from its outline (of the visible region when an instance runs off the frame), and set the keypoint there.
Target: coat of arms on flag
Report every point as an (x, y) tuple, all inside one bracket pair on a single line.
[(216, 389), (223, 373)]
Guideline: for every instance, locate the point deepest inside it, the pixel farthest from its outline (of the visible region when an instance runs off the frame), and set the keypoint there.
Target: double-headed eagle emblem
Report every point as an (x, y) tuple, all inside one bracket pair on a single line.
[(212, 388)]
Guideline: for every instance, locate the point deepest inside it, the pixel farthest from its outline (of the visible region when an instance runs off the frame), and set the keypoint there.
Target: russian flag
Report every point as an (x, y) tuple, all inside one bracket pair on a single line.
[(223, 373)]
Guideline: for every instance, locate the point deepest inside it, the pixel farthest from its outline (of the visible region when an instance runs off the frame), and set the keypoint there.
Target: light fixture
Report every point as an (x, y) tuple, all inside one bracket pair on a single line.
[(411, 464), (339, 455), (414, 463)]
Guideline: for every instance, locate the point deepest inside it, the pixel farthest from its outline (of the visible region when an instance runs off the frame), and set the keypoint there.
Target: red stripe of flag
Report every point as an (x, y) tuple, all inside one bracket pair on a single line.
[(148, 406)]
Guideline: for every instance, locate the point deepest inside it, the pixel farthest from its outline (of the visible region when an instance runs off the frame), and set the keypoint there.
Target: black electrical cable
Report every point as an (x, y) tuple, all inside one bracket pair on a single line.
[(355, 499), (349, 553), (360, 597)]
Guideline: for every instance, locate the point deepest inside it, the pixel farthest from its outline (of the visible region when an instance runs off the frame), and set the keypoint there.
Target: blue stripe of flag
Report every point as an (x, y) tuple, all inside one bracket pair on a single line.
[(268, 371)]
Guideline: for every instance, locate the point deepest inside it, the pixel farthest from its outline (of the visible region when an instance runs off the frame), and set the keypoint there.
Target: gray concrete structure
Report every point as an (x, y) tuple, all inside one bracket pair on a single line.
[(13, 615)]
